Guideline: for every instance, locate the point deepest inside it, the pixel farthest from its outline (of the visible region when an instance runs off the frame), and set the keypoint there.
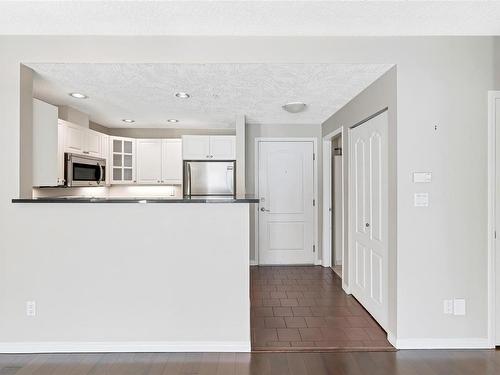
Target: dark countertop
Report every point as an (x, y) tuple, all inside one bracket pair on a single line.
[(206, 199)]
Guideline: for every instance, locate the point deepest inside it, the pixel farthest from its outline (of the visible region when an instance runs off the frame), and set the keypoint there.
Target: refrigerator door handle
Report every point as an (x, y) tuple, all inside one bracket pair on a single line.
[(188, 179)]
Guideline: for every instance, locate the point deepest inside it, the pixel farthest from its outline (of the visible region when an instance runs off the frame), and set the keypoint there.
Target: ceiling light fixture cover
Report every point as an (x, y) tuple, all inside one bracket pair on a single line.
[(182, 95), (294, 107), (172, 120), (128, 121), (77, 95)]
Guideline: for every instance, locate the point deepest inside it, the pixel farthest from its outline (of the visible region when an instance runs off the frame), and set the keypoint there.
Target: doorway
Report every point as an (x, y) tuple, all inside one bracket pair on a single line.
[(286, 189), (333, 204), (336, 212)]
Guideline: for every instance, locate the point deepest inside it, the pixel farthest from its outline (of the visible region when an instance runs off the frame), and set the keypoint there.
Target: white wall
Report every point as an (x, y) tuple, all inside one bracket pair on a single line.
[(440, 81), (156, 277)]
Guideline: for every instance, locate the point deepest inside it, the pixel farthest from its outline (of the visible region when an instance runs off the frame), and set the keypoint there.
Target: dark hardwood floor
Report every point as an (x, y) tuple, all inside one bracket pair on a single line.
[(404, 362)]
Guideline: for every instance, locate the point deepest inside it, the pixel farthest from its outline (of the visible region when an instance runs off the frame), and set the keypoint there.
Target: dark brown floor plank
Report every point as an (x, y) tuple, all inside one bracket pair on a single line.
[(403, 362)]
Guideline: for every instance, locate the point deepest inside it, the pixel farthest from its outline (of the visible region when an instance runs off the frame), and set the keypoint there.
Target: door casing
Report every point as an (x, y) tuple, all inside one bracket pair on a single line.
[(493, 272)]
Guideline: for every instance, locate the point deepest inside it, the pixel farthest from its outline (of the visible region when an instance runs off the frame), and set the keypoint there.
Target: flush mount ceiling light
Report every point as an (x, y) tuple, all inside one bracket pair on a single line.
[(77, 95), (128, 121), (294, 107), (172, 120), (182, 95)]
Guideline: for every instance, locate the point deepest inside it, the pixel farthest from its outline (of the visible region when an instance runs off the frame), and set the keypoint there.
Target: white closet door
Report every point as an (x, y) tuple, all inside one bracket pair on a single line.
[(368, 215)]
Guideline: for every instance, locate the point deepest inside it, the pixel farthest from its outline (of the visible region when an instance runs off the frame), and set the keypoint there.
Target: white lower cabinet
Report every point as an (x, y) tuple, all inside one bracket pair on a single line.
[(159, 161)]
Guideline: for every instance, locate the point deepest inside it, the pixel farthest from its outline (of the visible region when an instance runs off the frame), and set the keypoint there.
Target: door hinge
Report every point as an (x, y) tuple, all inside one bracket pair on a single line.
[(314, 248), (314, 156), (314, 202), (495, 234)]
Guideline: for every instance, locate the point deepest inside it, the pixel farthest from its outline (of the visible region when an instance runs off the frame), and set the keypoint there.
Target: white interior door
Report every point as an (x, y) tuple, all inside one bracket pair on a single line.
[(286, 191), (368, 216)]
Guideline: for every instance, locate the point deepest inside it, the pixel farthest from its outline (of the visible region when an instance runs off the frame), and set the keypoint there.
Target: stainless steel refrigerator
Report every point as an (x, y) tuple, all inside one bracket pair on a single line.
[(209, 178)]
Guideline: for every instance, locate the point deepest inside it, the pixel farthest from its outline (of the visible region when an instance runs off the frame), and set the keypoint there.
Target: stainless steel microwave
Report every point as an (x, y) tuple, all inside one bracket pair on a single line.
[(83, 170)]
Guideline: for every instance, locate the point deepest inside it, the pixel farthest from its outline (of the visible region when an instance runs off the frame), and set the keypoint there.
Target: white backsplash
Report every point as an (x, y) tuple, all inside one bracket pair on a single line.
[(173, 191)]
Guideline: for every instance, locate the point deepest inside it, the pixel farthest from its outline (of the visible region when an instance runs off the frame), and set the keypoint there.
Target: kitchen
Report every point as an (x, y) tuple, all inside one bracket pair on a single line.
[(69, 157)]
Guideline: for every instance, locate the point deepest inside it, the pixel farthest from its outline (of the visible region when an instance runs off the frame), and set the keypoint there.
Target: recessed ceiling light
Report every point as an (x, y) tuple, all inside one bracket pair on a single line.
[(172, 120), (77, 95), (294, 107), (182, 95), (128, 121)]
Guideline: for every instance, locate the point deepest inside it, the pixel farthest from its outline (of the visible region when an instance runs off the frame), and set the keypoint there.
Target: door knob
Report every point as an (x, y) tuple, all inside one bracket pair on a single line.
[(367, 225), (263, 209)]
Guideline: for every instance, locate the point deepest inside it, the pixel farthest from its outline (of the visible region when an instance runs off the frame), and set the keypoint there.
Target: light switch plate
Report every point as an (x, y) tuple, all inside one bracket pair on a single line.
[(448, 306), (421, 200), (459, 306), (422, 177)]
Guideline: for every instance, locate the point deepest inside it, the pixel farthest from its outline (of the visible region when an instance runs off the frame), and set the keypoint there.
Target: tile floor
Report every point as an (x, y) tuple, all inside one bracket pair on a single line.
[(304, 308)]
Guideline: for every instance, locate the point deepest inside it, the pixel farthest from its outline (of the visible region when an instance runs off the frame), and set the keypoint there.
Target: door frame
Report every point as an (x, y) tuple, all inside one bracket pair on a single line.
[(492, 198), (314, 141), (327, 201)]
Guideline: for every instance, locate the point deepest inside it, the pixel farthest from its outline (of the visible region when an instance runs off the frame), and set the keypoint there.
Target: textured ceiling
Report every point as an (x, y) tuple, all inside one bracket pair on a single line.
[(250, 17), (219, 92)]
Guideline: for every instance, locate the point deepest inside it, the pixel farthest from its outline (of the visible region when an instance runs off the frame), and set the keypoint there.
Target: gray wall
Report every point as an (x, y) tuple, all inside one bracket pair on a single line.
[(158, 132), (441, 250), (254, 131), (379, 95)]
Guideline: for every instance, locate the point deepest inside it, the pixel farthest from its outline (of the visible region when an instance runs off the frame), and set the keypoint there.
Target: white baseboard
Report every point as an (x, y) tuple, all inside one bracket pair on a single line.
[(459, 343), (117, 347), (392, 339), (318, 262), (253, 262)]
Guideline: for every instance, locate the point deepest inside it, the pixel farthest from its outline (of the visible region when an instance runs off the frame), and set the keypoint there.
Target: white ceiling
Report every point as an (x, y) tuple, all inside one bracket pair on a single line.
[(250, 17), (219, 92)]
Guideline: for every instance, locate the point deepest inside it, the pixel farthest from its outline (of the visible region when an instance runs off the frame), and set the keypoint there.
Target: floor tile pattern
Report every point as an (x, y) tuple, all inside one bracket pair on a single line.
[(304, 308)]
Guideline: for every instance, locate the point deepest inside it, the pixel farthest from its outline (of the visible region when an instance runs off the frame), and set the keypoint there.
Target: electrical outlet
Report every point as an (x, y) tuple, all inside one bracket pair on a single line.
[(459, 306), (30, 308), (448, 306)]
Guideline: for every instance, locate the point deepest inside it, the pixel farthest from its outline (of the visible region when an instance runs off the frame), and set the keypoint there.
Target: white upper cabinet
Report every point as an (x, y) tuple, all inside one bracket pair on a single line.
[(74, 137), (149, 160), (122, 160), (204, 147), (172, 161), (48, 163), (80, 140), (223, 147), (159, 161), (93, 143), (195, 147)]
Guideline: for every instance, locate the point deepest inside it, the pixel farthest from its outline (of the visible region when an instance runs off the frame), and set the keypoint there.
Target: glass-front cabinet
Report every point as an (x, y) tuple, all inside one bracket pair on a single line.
[(122, 160)]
